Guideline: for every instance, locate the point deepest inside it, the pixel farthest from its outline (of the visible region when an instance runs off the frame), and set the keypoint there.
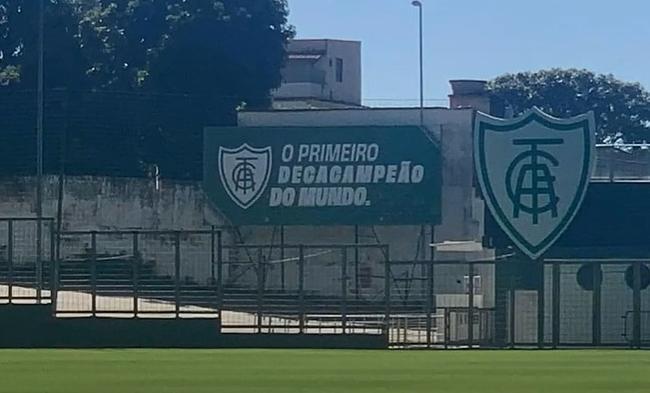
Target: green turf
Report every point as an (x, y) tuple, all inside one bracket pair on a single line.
[(268, 371)]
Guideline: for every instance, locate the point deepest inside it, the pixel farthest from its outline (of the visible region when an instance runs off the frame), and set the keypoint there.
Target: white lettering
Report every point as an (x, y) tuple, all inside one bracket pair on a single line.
[(348, 174), (379, 173), (391, 173), (308, 174), (335, 174), (296, 174), (276, 197), (303, 152), (345, 152), (373, 152), (287, 153), (417, 174), (284, 173)]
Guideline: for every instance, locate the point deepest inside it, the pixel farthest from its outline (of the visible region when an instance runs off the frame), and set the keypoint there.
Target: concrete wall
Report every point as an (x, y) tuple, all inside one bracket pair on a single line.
[(101, 203)]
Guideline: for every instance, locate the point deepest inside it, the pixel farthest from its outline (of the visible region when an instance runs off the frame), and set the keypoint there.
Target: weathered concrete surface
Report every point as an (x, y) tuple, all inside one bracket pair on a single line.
[(102, 203)]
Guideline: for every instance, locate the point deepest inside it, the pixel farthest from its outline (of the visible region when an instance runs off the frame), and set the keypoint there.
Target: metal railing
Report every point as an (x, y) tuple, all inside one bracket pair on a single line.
[(25, 274), (326, 288)]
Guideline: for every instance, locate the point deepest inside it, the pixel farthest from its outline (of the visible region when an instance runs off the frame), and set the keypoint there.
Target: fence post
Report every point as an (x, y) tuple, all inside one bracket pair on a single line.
[(213, 239), (177, 273), (470, 311), (301, 292), (597, 279), (344, 289), (282, 266), (93, 272), (10, 258), (447, 327), (39, 258), (512, 309), (429, 292), (541, 308), (429, 295), (556, 304), (53, 277), (387, 272), (636, 306), (260, 288), (136, 275), (356, 263), (219, 279)]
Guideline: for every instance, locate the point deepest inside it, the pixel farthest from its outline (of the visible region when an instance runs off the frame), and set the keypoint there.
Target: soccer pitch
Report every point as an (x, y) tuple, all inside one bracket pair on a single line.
[(267, 371)]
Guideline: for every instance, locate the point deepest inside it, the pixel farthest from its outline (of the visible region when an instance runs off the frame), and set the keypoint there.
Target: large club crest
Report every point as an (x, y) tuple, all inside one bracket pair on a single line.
[(245, 173), (534, 171)]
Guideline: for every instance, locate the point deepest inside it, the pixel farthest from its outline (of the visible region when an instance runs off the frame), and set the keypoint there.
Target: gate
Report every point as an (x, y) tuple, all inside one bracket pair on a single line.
[(25, 262), (579, 303), (438, 304)]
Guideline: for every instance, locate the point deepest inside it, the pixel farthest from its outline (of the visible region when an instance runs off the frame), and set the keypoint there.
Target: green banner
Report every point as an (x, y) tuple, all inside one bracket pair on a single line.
[(323, 175)]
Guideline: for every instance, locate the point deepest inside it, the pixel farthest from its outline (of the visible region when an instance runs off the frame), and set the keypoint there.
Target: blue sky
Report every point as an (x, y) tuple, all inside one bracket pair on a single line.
[(479, 39)]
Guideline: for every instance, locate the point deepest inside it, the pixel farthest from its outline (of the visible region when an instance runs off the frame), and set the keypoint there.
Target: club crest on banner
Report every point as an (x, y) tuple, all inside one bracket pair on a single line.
[(244, 173)]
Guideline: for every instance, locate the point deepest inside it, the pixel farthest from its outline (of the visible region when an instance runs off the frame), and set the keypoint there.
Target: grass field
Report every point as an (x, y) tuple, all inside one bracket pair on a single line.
[(267, 371)]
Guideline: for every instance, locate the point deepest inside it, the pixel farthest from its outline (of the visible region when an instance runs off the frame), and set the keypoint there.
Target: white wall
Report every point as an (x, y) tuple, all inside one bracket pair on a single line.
[(347, 91)]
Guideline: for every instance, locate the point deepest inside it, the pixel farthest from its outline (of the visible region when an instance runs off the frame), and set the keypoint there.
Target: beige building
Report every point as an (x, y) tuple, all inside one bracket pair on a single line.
[(320, 73)]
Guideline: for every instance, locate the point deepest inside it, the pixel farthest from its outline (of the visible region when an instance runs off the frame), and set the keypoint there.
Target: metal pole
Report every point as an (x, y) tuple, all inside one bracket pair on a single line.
[(512, 309), (301, 292), (177, 274), (540, 305), (595, 304), (93, 272), (260, 288), (344, 288), (430, 285), (10, 257), (418, 4), (39, 153), (136, 274), (636, 306), (282, 266), (61, 185), (356, 262), (556, 304), (219, 278), (52, 272), (387, 272), (429, 294), (470, 305)]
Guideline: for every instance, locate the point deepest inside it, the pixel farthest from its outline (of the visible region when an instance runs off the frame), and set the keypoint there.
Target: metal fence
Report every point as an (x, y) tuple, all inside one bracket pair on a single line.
[(25, 274), (325, 288)]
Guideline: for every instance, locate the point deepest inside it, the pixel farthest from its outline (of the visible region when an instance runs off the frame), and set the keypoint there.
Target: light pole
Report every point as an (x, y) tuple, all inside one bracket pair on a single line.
[(418, 4), (39, 149)]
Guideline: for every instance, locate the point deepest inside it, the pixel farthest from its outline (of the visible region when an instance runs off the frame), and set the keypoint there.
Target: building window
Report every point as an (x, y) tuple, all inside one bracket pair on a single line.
[(339, 70)]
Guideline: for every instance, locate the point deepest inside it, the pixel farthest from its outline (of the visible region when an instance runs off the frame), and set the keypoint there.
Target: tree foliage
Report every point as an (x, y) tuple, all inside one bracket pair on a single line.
[(215, 48), (136, 80), (622, 109), (19, 45)]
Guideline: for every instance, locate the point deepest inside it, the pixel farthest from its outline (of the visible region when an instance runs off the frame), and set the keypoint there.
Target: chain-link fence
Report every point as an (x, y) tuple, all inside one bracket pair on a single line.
[(25, 263), (325, 288)]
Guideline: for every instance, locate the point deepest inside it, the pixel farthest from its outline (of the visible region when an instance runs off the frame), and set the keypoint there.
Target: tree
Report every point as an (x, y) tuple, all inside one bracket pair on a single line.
[(66, 65), (151, 72), (228, 51), (622, 109)]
